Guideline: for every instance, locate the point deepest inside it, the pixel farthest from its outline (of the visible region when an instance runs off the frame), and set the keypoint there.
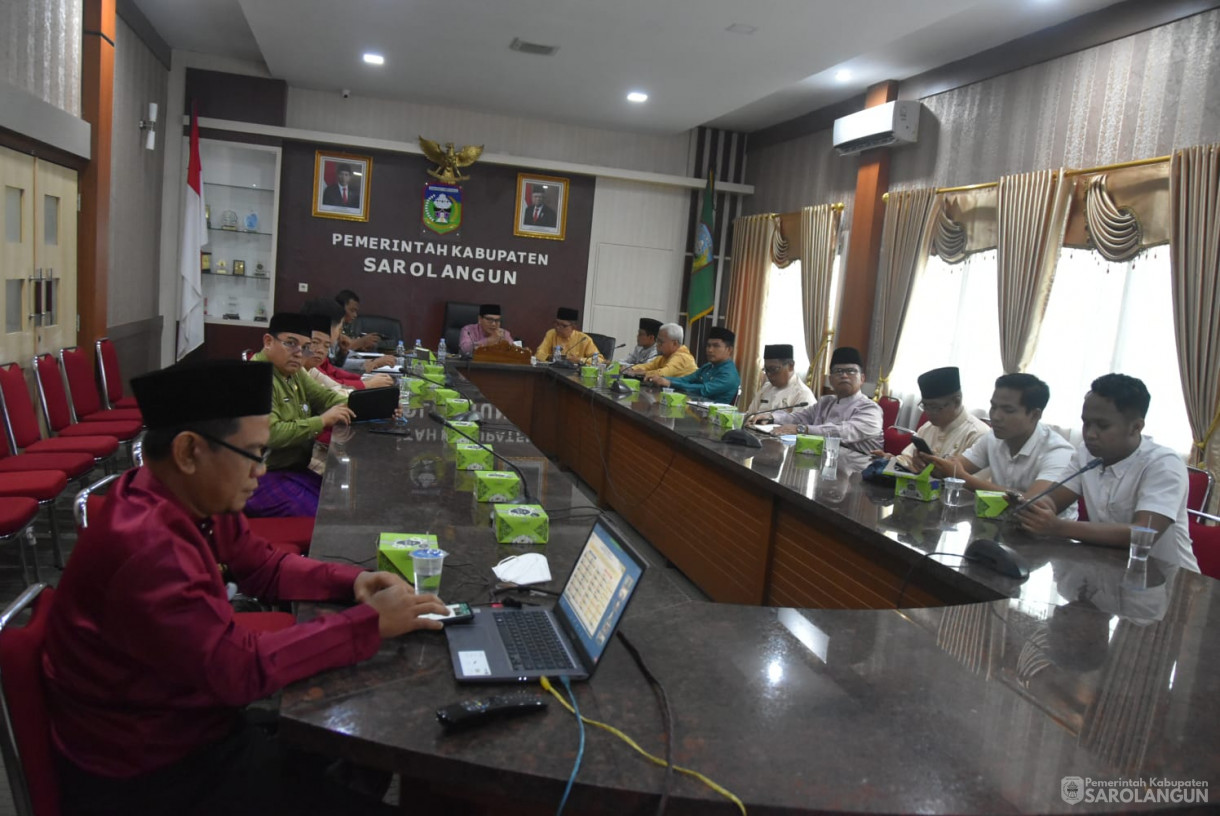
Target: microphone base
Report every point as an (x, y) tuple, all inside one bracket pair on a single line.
[(740, 436)]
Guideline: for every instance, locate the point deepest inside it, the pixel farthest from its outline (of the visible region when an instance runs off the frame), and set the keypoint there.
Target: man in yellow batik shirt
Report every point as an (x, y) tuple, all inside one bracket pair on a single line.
[(573, 345), (673, 358)]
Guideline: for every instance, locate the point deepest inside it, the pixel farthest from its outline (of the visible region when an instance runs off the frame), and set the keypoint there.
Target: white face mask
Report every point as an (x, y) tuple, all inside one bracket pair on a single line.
[(527, 568)]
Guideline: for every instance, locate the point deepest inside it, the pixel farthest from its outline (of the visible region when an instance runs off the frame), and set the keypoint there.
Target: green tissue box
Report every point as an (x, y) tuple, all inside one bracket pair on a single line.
[(521, 524), (672, 411), (496, 486), (415, 385), (631, 383), (614, 368), (457, 432), (728, 420), (919, 486), (810, 444), (453, 407), (441, 394), (990, 503), (394, 552), (672, 398), (714, 409), (434, 371), (472, 457)]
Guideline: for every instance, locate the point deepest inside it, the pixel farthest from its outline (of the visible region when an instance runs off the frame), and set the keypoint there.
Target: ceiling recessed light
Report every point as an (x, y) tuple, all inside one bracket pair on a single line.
[(842, 75), (374, 59), (637, 96)]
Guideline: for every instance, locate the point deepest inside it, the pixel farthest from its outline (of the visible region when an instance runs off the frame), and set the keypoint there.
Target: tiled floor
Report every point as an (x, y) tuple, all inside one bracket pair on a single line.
[(12, 584)]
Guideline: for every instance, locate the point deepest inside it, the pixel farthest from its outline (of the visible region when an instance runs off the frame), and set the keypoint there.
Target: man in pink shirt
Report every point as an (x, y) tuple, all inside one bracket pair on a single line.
[(148, 670), (486, 332)]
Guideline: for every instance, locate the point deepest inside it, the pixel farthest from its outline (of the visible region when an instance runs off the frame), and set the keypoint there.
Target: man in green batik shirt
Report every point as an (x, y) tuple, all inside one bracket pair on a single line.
[(716, 380), (301, 409)]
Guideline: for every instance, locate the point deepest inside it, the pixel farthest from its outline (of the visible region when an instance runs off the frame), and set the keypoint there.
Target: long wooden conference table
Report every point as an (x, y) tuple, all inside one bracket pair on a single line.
[(801, 687)]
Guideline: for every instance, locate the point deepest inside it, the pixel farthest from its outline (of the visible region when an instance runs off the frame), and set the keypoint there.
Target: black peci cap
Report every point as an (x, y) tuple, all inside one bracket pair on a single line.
[(215, 389)]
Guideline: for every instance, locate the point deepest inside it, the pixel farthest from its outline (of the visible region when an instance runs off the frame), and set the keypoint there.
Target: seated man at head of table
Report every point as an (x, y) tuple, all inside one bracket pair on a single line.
[(301, 409), (326, 318), (950, 429), (673, 358), (645, 342), (486, 332), (847, 413), (147, 668), (573, 345), (716, 380), (783, 388), (1025, 455), (1139, 482), (349, 301)]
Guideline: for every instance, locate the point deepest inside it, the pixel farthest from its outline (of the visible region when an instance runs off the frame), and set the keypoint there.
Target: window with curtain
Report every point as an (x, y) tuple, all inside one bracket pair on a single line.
[(1107, 316), (783, 319), (951, 321)]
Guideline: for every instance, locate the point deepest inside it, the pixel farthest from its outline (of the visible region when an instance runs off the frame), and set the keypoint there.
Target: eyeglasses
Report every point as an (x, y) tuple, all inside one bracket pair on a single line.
[(842, 371), (934, 407), (290, 346), (260, 458), (489, 319), (561, 324), (772, 369)]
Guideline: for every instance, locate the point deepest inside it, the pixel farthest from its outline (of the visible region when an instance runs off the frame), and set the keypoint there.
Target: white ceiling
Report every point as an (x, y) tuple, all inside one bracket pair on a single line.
[(455, 52)]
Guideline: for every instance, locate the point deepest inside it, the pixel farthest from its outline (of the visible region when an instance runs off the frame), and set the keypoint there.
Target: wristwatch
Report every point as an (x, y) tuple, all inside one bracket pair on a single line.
[(802, 428)]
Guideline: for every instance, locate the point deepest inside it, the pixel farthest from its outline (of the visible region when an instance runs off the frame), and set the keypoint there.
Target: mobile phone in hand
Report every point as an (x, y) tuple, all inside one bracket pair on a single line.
[(921, 445)]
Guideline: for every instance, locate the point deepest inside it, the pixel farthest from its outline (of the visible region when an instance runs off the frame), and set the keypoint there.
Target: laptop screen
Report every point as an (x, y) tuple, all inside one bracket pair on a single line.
[(597, 591)]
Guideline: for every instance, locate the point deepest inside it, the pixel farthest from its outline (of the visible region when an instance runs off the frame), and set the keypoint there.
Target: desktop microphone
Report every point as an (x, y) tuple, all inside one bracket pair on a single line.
[(738, 436), (1096, 462), (525, 487)]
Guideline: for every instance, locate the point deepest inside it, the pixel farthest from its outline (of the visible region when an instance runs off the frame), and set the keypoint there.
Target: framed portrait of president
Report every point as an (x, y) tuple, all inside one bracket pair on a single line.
[(341, 184), (542, 207)]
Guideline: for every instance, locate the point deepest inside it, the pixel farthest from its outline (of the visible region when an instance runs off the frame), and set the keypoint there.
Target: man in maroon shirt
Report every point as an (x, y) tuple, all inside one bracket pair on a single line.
[(147, 669)]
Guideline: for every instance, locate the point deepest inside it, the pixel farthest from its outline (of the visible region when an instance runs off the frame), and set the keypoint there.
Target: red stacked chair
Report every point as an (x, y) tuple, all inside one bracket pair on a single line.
[(1199, 488), (112, 381), (58, 411), (83, 396), (21, 424)]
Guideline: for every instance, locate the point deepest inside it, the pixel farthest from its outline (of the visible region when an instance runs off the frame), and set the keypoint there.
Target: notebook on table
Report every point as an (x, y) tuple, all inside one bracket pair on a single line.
[(518, 645)]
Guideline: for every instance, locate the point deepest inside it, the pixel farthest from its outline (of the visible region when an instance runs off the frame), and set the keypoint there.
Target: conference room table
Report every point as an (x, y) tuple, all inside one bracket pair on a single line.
[(899, 682)]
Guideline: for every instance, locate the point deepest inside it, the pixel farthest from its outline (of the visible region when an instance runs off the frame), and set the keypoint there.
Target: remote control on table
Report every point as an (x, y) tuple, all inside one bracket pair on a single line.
[(481, 709)]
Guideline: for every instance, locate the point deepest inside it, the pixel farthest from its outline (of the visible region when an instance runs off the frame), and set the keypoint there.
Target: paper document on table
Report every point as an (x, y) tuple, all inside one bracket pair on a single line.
[(764, 427), (388, 370), (365, 355)]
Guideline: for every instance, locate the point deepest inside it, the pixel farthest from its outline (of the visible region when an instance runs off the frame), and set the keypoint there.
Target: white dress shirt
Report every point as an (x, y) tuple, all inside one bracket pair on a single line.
[(952, 440), (770, 398), (1045, 457), (641, 354), (1152, 479)]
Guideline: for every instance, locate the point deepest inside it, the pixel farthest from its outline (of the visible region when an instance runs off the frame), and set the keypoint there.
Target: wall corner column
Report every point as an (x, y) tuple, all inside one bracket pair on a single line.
[(864, 246), (93, 230)]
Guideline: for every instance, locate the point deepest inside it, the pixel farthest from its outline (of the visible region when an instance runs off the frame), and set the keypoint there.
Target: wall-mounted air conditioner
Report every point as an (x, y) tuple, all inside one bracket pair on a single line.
[(881, 126)]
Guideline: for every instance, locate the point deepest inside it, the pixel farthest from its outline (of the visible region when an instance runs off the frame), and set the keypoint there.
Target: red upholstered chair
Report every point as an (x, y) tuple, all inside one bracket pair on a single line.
[(112, 381), (1200, 488), (83, 396), (889, 410), (1205, 541), (58, 412), (896, 441), (26, 738), (21, 424)]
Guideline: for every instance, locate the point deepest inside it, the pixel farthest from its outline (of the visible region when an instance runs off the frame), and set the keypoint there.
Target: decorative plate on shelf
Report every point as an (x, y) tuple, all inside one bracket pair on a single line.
[(251, 222), (228, 220)]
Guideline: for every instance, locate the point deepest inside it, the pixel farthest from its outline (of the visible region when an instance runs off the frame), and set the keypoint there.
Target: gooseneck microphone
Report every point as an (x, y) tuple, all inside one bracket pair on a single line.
[(1092, 463), (739, 436), (525, 487)]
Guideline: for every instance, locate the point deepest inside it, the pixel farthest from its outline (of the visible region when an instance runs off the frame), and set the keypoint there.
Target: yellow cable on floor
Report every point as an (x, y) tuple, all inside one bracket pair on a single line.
[(727, 794)]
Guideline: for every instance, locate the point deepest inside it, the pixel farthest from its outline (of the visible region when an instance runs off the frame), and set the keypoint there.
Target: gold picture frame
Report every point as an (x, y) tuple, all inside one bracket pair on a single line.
[(328, 188), (542, 207)]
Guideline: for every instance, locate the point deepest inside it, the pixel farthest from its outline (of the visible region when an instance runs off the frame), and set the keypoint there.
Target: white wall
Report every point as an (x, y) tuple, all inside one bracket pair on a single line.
[(636, 257)]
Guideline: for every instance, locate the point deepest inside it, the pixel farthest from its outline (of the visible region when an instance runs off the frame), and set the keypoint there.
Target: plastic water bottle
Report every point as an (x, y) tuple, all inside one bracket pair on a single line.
[(441, 352), (400, 355), (557, 354)]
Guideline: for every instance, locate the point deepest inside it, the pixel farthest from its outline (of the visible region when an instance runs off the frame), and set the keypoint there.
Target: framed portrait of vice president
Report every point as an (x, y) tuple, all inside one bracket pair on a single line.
[(542, 207), (341, 183)]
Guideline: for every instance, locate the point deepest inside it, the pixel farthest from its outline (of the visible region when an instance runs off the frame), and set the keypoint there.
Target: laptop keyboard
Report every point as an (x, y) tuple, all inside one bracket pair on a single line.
[(531, 641)]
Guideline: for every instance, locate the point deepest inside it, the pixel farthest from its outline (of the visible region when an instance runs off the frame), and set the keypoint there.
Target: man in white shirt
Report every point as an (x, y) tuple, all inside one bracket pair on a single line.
[(1139, 483), (645, 342), (1024, 455), (855, 418), (783, 388), (950, 430)]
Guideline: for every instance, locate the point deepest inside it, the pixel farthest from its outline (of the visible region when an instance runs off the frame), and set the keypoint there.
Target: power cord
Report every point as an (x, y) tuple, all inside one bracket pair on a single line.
[(667, 718), (673, 453), (580, 752)]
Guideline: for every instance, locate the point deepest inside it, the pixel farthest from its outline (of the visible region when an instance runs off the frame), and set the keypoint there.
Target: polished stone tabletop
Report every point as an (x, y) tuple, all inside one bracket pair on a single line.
[(1088, 669)]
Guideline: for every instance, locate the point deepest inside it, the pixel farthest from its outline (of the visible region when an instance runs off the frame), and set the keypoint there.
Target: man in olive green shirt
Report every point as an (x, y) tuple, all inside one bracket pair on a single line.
[(301, 409)]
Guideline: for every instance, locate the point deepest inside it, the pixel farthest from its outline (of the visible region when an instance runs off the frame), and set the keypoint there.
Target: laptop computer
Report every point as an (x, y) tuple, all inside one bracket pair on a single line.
[(519, 645), (373, 403)]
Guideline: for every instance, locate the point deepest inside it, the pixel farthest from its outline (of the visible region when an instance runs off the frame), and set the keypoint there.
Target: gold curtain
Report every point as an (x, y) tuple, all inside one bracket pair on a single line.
[(965, 224), (1116, 200), (906, 237), (1031, 217), (1194, 241), (753, 251), (819, 242)]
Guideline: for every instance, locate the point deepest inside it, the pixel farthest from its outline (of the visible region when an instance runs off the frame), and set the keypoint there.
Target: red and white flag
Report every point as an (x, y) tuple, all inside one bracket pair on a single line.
[(194, 236)]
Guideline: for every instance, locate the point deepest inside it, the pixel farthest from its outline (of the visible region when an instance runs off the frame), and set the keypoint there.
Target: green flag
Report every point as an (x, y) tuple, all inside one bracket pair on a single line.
[(702, 294)]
